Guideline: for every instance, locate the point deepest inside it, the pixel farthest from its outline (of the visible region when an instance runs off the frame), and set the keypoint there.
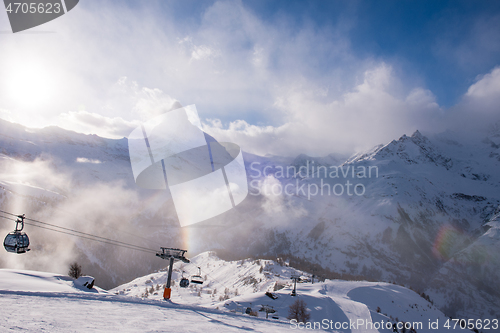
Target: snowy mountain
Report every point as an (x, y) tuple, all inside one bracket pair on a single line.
[(421, 211), (39, 301)]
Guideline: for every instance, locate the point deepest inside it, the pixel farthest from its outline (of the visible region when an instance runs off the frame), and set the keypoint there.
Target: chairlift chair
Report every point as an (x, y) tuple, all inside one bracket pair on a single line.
[(197, 279), (184, 282), (17, 241)]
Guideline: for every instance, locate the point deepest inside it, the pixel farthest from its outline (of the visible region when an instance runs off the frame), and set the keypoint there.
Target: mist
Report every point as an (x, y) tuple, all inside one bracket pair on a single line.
[(43, 191)]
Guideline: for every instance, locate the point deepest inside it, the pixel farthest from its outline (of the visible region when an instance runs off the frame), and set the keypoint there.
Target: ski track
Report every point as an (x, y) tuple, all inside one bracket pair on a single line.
[(53, 312)]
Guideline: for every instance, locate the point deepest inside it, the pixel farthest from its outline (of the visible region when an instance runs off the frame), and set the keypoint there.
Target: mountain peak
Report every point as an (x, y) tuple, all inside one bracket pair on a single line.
[(417, 134)]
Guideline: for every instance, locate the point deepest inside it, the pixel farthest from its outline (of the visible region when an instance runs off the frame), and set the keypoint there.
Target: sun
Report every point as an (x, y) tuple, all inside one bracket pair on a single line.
[(29, 85)]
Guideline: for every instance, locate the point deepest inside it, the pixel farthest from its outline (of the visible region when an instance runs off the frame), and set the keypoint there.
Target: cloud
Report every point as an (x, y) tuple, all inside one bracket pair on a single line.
[(124, 96), (46, 191), (272, 86), (375, 111), (486, 87), (87, 160), (93, 123), (478, 108), (278, 206), (141, 103), (230, 63)]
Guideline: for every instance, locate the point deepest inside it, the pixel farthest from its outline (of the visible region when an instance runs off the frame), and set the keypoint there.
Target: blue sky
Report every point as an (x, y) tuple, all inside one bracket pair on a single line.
[(415, 35), (282, 77), (423, 38)]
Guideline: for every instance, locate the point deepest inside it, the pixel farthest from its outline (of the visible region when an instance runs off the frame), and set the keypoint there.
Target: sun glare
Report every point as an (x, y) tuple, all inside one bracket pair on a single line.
[(30, 85)]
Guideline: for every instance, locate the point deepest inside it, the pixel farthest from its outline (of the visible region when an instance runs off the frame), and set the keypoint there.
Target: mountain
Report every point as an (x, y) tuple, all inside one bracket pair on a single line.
[(38, 301), (421, 210)]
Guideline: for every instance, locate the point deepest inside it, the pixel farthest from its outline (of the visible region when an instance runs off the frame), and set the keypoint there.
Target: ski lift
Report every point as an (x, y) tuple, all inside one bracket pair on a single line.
[(197, 279), (184, 282), (17, 241)]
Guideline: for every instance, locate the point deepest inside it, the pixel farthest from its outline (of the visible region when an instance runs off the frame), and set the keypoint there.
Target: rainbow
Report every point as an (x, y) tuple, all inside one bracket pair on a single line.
[(443, 244)]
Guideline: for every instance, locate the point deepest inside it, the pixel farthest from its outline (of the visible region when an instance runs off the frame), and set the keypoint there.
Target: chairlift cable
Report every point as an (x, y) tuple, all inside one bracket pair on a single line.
[(97, 240), (86, 234), (89, 238), (82, 234), (120, 230)]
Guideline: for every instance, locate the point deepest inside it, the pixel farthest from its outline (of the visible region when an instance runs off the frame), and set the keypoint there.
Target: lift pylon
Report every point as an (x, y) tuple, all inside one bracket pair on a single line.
[(171, 255), (295, 278)]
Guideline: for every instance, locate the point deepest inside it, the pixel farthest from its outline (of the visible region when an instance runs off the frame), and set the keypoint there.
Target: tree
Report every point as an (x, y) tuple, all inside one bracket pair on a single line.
[(298, 311), (75, 270)]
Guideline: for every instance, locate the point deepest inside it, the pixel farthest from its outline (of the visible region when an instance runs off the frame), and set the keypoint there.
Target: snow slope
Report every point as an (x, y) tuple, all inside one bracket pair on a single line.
[(235, 286), (33, 281), (38, 301)]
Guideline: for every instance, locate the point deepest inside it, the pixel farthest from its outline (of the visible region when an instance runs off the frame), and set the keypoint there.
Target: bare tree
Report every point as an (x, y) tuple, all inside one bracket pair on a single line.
[(75, 270), (298, 311)]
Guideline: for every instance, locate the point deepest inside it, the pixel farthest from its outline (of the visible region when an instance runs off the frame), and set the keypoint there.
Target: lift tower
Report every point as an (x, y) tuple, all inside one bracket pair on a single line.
[(295, 278), (171, 255)]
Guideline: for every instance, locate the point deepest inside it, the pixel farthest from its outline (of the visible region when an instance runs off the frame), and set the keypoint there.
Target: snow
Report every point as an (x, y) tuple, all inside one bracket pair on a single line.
[(39, 301), (336, 300), (33, 281), (51, 313)]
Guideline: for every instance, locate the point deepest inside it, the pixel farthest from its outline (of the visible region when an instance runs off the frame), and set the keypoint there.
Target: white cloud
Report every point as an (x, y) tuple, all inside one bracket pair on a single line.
[(124, 97), (93, 123), (375, 111), (87, 160), (231, 63), (478, 108), (487, 86), (142, 103), (272, 87)]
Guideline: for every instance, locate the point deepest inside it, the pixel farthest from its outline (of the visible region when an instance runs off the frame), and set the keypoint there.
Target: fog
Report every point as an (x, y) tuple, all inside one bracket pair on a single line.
[(108, 210)]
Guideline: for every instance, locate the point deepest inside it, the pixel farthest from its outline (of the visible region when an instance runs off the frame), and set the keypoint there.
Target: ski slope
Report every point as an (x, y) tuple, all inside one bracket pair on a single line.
[(38, 301), (44, 302)]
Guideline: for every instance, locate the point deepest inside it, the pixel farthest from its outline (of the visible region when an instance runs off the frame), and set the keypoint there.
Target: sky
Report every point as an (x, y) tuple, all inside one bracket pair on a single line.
[(279, 77)]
